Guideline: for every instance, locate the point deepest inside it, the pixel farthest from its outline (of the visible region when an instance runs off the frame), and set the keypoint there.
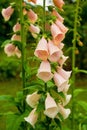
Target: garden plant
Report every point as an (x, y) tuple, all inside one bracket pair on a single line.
[(37, 42)]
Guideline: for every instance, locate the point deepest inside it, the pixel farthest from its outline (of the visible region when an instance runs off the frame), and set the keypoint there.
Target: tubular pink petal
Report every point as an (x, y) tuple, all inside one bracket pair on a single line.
[(67, 99), (32, 16), (58, 36), (59, 17), (44, 72), (64, 112), (16, 27), (42, 50), (34, 29), (62, 60), (51, 108), (54, 51), (34, 1), (9, 49), (60, 82), (61, 26), (6, 13), (16, 37), (59, 3), (17, 52), (32, 118), (63, 73), (32, 99)]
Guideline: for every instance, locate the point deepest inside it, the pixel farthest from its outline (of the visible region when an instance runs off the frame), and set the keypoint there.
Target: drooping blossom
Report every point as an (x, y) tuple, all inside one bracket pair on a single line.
[(32, 99), (32, 118), (60, 82), (34, 30), (54, 52), (16, 27), (59, 3), (41, 50), (59, 17), (17, 52), (61, 26), (16, 37), (9, 49), (34, 1), (32, 16), (63, 73), (62, 60), (67, 99), (12, 50), (60, 45), (44, 71), (6, 13), (63, 111), (51, 108), (57, 34), (66, 88)]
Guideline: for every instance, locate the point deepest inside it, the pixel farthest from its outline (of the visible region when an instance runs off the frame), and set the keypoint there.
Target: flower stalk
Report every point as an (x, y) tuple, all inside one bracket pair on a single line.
[(73, 61)]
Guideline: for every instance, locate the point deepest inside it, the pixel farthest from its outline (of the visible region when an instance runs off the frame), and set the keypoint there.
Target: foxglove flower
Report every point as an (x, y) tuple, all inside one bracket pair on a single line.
[(67, 99), (16, 27), (57, 34), (34, 1), (41, 50), (54, 52), (59, 17), (32, 16), (32, 118), (34, 30), (51, 108), (63, 73), (61, 26), (62, 60), (16, 37), (63, 111), (6, 13), (9, 49), (59, 3), (17, 52), (32, 99), (44, 72), (60, 82)]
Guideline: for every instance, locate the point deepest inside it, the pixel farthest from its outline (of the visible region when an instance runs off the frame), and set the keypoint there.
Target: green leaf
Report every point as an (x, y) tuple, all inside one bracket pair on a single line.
[(14, 121), (5, 42), (83, 104), (78, 91)]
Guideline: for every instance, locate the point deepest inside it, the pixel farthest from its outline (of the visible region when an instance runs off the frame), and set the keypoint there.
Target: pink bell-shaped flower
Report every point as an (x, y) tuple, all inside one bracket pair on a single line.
[(9, 49), (32, 118), (62, 60), (6, 13), (42, 49), (60, 45), (61, 26), (63, 73), (32, 16), (44, 72), (60, 82), (34, 29), (16, 37), (17, 52), (54, 52), (34, 1), (32, 99), (51, 108), (67, 99), (16, 27), (59, 17), (65, 89), (57, 34), (64, 112), (59, 3)]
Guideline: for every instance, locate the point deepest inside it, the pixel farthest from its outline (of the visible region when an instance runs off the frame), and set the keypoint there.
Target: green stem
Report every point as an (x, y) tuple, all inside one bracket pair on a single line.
[(23, 41), (44, 15), (73, 62)]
